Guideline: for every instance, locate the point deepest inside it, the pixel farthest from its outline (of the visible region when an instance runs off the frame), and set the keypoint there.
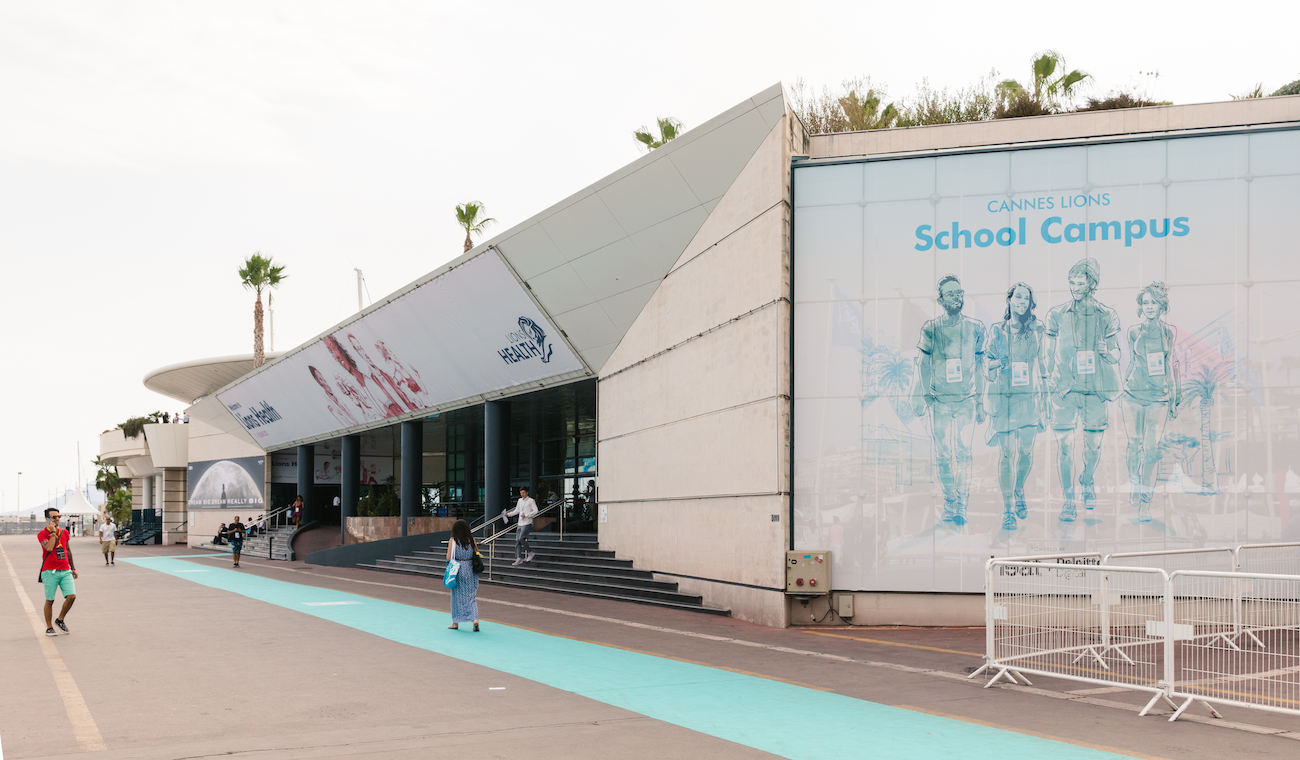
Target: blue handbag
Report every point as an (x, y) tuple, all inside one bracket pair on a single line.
[(451, 575)]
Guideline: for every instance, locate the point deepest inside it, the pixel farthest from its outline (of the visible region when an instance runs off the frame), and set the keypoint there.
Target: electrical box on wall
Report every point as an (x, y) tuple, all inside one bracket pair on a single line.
[(808, 573)]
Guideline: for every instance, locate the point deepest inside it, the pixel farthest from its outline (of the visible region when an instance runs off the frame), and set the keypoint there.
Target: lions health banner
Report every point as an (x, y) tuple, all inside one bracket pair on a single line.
[(227, 483), (1086, 348), (467, 332)]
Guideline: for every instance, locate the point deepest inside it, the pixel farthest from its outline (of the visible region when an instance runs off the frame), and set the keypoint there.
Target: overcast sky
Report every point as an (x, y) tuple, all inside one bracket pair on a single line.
[(147, 148)]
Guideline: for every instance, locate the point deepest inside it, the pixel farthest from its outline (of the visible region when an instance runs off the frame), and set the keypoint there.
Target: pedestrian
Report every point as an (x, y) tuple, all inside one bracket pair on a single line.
[(464, 597), (235, 531), (526, 509), (185, 418), (176, 418), (220, 538), (297, 510), (167, 418), (108, 541), (58, 571)]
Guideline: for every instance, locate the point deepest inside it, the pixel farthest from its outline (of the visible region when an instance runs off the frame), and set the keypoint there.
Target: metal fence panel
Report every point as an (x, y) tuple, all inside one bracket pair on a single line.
[(1274, 559), (1238, 639), (1084, 622), (1218, 560)]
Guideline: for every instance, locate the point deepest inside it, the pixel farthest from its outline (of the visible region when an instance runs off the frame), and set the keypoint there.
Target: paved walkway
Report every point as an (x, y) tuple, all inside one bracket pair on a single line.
[(174, 655)]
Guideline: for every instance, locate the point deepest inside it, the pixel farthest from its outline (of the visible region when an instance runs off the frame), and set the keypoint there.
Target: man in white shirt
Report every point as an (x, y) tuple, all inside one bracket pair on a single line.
[(526, 508), (108, 541)]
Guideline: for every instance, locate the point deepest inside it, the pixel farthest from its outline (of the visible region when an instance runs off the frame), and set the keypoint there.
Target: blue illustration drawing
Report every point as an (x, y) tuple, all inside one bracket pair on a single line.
[(949, 385), (1016, 397), (1152, 393), (539, 337), (1081, 357)]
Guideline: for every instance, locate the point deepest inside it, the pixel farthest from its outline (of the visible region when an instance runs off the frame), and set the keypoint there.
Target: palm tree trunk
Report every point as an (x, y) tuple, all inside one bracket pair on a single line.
[(1209, 476), (259, 357), (468, 242)]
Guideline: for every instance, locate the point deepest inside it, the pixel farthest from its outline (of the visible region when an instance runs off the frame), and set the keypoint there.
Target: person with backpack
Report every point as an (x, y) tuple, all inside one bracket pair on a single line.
[(464, 595), (235, 531), (58, 571)]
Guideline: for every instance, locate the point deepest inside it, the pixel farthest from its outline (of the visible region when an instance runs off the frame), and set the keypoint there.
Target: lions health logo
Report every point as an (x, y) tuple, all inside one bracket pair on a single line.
[(526, 343)]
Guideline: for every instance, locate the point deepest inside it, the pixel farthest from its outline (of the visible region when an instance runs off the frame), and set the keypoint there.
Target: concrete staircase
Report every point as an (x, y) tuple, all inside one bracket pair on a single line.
[(575, 565), (258, 546)]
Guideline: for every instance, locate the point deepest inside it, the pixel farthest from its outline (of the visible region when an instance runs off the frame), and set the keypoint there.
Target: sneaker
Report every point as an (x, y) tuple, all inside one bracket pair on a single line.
[(517, 562), (1144, 512), (1008, 520), (62, 626), (954, 512), (530, 557), (1089, 495), (50, 632), (1068, 512), (1022, 509)]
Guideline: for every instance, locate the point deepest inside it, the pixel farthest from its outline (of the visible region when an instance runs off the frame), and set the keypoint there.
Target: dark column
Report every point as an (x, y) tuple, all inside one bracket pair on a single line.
[(306, 469), (471, 459), (496, 450), (534, 450), (412, 469), (351, 482)]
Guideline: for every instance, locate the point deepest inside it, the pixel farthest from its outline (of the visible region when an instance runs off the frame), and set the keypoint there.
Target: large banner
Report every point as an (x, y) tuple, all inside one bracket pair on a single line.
[(1050, 350), (227, 484), (471, 331)]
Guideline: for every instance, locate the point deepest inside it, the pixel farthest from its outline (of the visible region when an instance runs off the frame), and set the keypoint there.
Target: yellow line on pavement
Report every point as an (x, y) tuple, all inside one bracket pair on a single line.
[(893, 643), (83, 723)]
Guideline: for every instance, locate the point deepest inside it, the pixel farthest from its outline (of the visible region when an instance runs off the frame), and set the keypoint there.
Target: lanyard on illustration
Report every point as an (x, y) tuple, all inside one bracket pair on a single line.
[(1156, 361), (1019, 370)]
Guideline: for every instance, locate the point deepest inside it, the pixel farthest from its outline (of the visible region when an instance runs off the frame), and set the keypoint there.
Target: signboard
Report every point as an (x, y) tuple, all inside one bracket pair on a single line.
[(471, 331), (227, 483), (1050, 350)]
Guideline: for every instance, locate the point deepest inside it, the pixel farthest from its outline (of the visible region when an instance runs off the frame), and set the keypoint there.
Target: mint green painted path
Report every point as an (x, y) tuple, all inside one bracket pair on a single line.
[(772, 716)]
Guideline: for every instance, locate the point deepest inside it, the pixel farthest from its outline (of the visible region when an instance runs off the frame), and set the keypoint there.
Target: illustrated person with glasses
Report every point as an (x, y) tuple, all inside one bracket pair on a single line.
[(1081, 358), (952, 353), (1015, 397), (1152, 393)]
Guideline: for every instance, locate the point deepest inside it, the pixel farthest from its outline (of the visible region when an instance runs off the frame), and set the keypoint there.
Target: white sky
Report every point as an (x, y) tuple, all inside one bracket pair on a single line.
[(147, 148)]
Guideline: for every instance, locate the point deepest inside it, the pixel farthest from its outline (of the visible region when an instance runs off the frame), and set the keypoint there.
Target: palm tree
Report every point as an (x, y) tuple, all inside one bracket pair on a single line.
[(260, 273), (1203, 387), (669, 128), (863, 112), (467, 217), (1048, 88), (106, 479)]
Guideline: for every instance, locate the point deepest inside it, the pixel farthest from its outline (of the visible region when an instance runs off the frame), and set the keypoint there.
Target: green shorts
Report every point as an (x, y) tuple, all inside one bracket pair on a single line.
[(55, 580)]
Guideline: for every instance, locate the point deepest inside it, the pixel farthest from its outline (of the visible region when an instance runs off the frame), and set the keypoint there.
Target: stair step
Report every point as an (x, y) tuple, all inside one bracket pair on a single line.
[(683, 602), (590, 583), (635, 578)]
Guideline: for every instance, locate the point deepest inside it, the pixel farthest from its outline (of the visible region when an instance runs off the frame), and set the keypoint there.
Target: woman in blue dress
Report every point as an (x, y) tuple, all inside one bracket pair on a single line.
[(1015, 397), (464, 598)]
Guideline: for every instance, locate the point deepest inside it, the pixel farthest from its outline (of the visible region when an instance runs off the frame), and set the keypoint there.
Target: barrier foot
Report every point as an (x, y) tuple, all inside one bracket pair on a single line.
[(1255, 638), (1095, 656), (1179, 711), (995, 678), (1210, 707), (1226, 640), (1021, 676), (981, 669), (1154, 698)]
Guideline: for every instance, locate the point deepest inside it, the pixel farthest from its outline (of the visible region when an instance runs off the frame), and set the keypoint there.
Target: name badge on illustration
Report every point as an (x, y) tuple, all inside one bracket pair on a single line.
[(1086, 363), (954, 370), (1019, 373), (1155, 365)]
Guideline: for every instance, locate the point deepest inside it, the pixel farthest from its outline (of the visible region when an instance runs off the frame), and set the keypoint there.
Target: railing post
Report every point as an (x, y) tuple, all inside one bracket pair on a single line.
[(1169, 632), (270, 547)]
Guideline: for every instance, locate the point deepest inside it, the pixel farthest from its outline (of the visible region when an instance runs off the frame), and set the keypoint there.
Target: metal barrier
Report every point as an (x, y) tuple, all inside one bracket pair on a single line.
[(1083, 622), (1274, 559), (1236, 640), (1190, 635)]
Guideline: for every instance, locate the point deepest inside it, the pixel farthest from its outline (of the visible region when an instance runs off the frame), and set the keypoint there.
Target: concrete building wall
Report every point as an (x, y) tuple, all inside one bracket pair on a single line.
[(694, 404), (175, 522)]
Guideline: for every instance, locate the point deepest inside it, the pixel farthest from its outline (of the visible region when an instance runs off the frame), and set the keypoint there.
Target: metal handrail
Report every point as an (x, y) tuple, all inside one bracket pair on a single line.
[(491, 540)]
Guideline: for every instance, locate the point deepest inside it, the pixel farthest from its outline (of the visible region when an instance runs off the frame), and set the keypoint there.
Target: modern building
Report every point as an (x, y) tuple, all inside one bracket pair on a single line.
[(755, 340)]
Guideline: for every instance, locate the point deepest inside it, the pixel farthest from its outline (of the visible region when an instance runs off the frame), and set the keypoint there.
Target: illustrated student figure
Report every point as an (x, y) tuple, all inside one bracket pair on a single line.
[(952, 352), (1081, 357), (1152, 393), (1016, 402)]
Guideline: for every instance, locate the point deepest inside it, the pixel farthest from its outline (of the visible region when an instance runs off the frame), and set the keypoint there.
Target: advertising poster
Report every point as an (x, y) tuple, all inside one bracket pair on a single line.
[(394, 360), (227, 483), (1088, 348)]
